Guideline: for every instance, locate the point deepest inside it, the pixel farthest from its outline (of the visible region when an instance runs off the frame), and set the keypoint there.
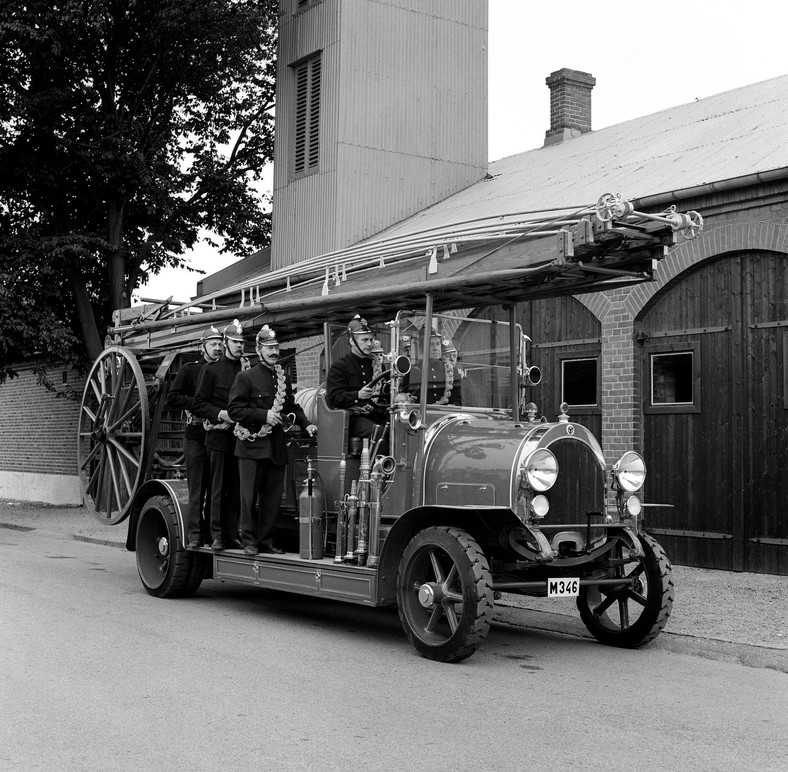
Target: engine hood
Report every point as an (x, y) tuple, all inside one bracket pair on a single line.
[(473, 461)]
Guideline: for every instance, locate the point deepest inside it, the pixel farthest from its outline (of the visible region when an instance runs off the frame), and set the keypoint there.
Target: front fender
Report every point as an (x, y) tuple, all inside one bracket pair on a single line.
[(176, 490)]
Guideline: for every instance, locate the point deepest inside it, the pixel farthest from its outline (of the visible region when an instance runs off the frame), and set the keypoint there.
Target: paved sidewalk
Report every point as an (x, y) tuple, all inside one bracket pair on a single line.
[(737, 617)]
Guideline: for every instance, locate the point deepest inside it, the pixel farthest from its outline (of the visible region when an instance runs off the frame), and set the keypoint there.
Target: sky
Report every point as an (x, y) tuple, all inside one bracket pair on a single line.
[(645, 58)]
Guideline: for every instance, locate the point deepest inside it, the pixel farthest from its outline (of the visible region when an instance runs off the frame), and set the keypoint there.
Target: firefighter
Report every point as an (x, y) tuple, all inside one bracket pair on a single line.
[(181, 397), (348, 379), (260, 399), (450, 357), (443, 380), (210, 404)]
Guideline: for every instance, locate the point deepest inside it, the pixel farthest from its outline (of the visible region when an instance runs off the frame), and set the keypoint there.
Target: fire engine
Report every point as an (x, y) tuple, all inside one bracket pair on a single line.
[(471, 499)]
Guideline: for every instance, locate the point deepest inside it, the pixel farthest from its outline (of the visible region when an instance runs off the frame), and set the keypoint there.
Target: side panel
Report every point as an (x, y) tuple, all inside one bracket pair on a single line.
[(317, 578)]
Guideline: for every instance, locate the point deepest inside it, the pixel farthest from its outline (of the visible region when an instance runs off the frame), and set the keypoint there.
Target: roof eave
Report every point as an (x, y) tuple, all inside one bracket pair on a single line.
[(747, 180)]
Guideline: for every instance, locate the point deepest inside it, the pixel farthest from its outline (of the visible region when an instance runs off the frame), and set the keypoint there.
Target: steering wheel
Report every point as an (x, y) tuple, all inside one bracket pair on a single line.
[(378, 378), (374, 382)]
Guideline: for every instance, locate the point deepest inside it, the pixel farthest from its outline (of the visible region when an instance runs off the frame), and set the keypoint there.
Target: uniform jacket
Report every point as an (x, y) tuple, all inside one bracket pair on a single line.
[(251, 397), (345, 378), (436, 383), (212, 395), (181, 397)]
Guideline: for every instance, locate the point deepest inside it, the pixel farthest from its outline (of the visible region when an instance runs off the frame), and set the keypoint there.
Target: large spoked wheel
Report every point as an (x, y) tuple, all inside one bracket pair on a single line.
[(113, 434), (166, 569), (631, 616), (444, 594)]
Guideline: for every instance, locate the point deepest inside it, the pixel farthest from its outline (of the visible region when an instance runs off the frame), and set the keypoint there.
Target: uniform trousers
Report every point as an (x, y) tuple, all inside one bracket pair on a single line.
[(198, 478), (224, 495), (262, 483)]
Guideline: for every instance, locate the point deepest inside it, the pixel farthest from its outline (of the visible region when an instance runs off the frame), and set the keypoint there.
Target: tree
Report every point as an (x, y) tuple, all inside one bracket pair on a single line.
[(126, 127)]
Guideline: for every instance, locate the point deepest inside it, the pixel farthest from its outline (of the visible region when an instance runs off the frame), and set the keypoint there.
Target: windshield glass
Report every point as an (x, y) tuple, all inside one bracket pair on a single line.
[(467, 360)]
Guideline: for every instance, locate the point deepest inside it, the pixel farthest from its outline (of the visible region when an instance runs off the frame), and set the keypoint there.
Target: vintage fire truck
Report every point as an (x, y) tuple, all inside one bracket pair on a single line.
[(471, 499)]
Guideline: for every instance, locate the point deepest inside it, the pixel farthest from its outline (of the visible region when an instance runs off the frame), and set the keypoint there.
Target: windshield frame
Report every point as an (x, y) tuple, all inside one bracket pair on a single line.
[(512, 343)]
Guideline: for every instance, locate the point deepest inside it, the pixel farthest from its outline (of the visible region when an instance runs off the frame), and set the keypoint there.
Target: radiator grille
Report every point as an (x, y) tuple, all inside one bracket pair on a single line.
[(580, 487)]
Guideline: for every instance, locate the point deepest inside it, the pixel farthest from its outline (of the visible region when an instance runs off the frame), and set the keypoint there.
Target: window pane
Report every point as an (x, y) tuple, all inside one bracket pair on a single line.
[(578, 383), (671, 379)]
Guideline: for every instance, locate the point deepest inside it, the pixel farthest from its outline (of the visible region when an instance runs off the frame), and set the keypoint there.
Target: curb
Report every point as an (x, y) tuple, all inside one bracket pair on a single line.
[(749, 655), (65, 535)]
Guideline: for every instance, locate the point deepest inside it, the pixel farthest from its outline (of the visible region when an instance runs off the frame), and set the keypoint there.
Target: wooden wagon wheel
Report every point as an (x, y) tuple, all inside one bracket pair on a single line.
[(113, 434)]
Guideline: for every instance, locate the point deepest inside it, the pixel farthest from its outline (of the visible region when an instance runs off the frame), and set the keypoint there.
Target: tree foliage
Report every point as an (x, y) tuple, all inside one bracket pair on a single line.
[(126, 127)]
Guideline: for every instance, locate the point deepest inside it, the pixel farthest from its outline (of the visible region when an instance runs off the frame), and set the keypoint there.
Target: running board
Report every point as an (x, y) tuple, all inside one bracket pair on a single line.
[(320, 578)]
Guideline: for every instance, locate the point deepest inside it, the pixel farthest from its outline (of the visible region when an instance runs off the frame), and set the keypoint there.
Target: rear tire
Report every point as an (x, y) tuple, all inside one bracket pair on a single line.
[(444, 594), (625, 616), (166, 569)]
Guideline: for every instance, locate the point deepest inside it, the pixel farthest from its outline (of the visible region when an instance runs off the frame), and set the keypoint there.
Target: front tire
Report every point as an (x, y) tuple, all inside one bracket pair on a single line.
[(631, 616), (166, 569), (444, 594)]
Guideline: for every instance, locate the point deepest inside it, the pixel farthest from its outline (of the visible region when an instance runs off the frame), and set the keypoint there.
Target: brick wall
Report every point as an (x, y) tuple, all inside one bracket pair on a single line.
[(39, 429), (38, 441), (620, 416), (308, 356)]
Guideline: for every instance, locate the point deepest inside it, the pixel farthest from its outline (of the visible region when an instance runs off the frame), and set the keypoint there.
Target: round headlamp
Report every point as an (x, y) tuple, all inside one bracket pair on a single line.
[(629, 471), (540, 469), (540, 506), (634, 507)]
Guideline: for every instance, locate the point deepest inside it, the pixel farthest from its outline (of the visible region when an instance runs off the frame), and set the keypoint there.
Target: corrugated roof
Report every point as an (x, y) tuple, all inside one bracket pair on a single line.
[(730, 135)]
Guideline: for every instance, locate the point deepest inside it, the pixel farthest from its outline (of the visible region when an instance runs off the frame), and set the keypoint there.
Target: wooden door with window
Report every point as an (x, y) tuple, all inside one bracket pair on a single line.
[(715, 418)]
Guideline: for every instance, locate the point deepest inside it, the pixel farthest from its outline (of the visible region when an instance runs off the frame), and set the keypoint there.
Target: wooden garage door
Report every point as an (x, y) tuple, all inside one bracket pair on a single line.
[(715, 417)]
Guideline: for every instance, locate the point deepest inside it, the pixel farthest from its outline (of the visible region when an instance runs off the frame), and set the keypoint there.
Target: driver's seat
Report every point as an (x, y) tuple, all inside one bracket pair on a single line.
[(333, 428)]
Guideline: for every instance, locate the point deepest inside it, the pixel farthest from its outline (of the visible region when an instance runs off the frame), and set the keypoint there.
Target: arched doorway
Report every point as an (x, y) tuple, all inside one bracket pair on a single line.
[(715, 413)]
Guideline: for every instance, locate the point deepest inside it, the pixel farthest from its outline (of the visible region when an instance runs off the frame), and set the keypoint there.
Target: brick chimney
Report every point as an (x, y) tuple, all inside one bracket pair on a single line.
[(570, 105)]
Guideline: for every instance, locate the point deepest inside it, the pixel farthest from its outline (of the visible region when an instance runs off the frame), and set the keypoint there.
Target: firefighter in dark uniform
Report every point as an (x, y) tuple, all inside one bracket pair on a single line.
[(181, 397), (443, 380), (259, 401), (210, 404), (348, 378)]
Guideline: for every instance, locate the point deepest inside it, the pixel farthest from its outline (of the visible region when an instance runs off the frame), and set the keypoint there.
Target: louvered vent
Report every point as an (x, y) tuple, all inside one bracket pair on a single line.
[(307, 128)]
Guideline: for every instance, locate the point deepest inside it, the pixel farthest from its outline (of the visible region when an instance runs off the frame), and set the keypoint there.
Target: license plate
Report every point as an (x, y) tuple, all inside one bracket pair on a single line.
[(568, 587)]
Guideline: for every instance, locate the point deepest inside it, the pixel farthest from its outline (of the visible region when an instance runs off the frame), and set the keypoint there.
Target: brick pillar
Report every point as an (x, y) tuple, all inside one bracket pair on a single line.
[(620, 410), (570, 104)]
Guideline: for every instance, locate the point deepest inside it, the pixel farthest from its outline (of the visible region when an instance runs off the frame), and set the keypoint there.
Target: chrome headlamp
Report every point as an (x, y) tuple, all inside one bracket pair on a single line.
[(629, 472), (539, 470)]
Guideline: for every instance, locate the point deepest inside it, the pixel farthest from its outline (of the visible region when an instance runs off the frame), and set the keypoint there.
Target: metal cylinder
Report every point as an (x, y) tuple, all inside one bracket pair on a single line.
[(310, 517), (352, 500)]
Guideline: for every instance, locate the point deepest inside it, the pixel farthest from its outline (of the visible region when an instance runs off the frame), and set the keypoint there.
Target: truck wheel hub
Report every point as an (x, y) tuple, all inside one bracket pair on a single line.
[(164, 546), (428, 595)]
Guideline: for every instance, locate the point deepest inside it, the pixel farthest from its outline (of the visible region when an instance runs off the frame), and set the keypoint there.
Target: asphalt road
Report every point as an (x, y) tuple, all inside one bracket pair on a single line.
[(98, 675)]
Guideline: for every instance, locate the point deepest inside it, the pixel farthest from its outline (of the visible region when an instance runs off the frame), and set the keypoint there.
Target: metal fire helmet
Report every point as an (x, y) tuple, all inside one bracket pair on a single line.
[(377, 348), (234, 331), (358, 326), (210, 334), (267, 337), (447, 347)]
